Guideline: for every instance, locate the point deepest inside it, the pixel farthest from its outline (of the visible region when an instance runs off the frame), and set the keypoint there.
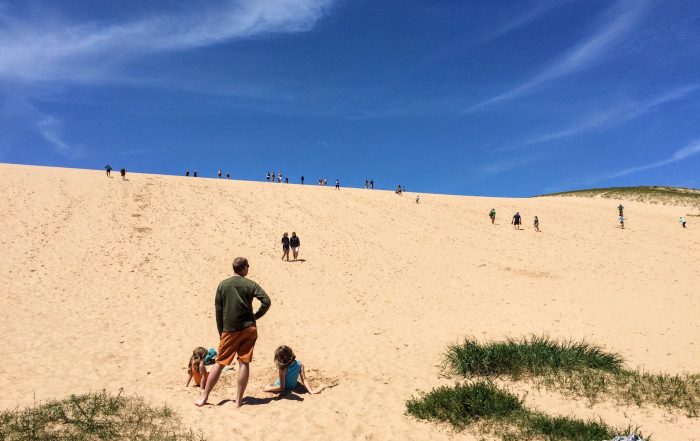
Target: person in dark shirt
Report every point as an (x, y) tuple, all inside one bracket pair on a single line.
[(337, 184), (302, 179), (371, 184), (285, 247), (236, 324), (108, 168), (294, 242), (123, 173), (516, 220)]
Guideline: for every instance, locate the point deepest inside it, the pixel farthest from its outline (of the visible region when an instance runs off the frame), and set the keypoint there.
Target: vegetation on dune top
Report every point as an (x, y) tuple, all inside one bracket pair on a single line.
[(91, 417), (651, 194)]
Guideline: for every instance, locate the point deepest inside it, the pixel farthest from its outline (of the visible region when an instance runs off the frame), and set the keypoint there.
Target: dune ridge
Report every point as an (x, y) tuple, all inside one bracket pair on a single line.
[(109, 284)]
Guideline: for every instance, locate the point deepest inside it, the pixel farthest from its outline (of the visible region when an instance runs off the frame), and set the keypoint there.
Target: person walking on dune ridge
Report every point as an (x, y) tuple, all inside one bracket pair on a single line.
[(236, 324)]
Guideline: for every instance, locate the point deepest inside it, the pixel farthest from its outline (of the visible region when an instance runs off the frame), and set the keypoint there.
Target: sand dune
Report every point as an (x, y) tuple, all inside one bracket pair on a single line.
[(110, 284)]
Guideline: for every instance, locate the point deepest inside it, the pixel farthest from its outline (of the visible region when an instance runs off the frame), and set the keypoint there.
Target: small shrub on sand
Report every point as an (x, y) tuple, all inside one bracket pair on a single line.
[(92, 417), (576, 369), (490, 409)]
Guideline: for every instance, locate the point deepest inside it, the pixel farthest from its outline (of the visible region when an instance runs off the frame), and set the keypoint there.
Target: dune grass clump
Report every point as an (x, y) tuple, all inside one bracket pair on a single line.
[(465, 404), (483, 405), (575, 368), (91, 417), (528, 357)]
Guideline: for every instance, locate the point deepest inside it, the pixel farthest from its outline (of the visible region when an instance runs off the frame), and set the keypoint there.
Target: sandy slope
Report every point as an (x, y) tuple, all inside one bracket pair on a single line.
[(110, 284)]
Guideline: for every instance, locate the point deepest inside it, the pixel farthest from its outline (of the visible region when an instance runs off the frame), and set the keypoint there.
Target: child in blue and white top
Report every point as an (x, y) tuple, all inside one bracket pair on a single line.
[(291, 371)]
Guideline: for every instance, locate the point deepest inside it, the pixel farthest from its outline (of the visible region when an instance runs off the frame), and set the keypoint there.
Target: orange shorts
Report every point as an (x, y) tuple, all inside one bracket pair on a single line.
[(239, 342)]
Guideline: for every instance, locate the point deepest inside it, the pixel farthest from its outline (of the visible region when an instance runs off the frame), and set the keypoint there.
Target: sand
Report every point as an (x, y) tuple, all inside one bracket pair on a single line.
[(109, 284)]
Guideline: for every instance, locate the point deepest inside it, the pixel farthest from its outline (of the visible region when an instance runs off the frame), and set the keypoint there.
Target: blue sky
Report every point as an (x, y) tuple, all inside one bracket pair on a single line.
[(502, 98)]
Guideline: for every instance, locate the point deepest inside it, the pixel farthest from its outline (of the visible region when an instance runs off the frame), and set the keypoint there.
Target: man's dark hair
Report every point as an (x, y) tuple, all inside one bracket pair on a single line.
[(239, 263)]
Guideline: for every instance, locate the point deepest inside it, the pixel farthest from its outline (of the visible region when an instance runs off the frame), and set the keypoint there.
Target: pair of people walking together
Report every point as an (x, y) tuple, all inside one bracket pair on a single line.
[(290, 242)]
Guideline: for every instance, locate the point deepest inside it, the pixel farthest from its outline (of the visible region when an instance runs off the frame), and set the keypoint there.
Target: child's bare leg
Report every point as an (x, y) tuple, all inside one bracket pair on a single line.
[(210, 383), (243, 374)]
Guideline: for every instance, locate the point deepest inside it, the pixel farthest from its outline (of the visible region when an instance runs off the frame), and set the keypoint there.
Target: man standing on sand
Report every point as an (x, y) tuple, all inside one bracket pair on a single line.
[(516, 220), (235, 321), (492, 215), (620, 208)]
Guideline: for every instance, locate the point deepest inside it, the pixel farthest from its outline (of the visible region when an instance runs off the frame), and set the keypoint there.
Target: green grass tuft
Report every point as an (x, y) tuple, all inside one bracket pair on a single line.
[(482, 404), (576, 369), (527, 357), (92, 417), (463, 405)]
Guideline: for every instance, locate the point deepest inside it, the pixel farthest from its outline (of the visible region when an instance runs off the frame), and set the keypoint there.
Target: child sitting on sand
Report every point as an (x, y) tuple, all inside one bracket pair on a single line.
[(290, 371), (196, 367)]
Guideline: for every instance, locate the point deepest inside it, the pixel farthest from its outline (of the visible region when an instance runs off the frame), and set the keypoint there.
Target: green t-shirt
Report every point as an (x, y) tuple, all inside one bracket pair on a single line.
[(492, 213), (234, 304)]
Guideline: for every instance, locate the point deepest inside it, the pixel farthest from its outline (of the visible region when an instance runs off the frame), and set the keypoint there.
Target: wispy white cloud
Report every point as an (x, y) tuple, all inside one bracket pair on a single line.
[(615, 116), (51, 129), (537, 10), (686, 152), (505, 165), (621, 19), (690, 150), (89, 51)]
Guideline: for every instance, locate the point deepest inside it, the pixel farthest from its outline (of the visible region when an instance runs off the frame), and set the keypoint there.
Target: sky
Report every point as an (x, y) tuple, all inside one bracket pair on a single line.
[(489, 98)]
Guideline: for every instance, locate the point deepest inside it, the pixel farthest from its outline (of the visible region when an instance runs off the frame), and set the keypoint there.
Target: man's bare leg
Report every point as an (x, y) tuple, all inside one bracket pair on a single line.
[(211, 382), (243, 372)]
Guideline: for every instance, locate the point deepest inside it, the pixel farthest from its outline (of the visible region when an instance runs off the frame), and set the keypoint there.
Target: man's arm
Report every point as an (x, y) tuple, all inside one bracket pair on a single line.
[(219, 305), (265, 301)]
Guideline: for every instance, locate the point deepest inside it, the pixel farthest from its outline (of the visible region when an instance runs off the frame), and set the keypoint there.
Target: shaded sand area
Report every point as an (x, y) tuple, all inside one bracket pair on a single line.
[(109, 284)]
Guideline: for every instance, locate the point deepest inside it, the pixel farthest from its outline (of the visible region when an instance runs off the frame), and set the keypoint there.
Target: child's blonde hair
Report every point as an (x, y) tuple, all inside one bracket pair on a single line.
[(284, 356), (197, 356)]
